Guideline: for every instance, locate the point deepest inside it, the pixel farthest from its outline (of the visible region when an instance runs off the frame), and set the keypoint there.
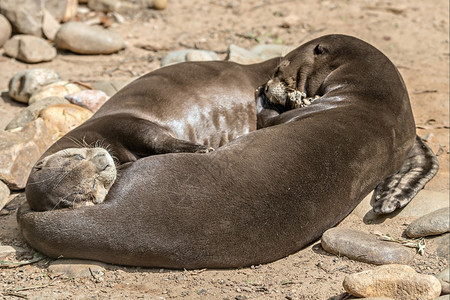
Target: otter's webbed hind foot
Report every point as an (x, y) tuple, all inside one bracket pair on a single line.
[(399, 189)]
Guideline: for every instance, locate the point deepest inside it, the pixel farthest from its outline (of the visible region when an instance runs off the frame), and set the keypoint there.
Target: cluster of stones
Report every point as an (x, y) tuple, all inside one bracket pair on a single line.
[(394, 278), (42, 26)]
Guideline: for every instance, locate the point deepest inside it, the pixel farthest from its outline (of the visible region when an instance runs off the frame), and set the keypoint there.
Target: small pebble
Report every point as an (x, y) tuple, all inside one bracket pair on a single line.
[(4, 195), (74, 268), (188, 55), (444, 278), (159, 4)]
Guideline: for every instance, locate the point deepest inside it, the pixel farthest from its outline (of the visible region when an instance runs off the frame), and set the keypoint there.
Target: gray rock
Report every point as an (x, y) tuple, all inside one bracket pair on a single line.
[(443, 245), (241, 55), (84, 39), (361, 246), (271, 50), (25, 16), (4, 195), (104, 5), (444, 278), (111, 87), (62, 10), (188, 55), (434, 223), (50, 25), (395, 281), (31, 112), (29, 49), (19, 151), (444, 297), (74, 268), (8, 250), (425, 202), (5, 30), (26, 82)]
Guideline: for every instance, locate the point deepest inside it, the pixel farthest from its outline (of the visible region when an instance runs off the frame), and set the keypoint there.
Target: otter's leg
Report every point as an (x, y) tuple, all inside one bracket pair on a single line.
[(399, 189), (144, 138)]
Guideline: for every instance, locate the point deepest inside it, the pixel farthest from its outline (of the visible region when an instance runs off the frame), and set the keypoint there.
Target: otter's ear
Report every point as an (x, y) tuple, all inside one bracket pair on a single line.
[(319, 49)]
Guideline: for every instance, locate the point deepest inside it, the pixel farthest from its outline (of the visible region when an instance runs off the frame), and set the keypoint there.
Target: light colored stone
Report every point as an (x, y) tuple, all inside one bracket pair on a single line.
[(24, 83), (188, 55), (29, 49), (242, 56), (55, 89), (268, 51), (8, 250), (19, 151), (104, 5), (396, 281), (90, 99), (111, 87), (25, 16), (443, 246), (443, 297), (4, 195), (159, 4), (74, 268), (425, 202), (50, 25), (434, 223), (84, 39), (31, 112), (361, 246), (61, 118), (444, 278), (5, 30), (62, 10)]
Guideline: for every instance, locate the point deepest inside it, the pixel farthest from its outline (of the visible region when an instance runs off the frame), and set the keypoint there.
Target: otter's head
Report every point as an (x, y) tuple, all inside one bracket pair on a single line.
[(303, 71), (70, 178)]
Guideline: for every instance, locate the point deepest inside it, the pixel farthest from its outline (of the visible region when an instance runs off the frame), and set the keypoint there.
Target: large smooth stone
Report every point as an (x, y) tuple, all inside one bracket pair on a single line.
[(55, 89), (400, 282), (434, 223), (5, 30), (31, 112), (361, 246), (25, 15), (50, 25), (29, 49), (20, 150), (111, 87), (61, 118), (24, 83), (84, 39)]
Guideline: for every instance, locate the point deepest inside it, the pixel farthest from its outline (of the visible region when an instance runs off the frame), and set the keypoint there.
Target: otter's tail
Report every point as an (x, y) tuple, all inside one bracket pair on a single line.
[(399, 189)]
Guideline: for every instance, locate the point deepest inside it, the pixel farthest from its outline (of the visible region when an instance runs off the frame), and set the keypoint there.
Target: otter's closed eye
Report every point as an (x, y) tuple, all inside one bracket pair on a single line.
[(78, 156)]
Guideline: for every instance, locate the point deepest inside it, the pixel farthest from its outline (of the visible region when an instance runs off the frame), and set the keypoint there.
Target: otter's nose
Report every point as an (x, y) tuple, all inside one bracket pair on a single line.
[(101, 162)]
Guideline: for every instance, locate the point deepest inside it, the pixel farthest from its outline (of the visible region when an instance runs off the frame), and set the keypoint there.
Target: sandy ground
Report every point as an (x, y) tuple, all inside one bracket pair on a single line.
[(413, 34)]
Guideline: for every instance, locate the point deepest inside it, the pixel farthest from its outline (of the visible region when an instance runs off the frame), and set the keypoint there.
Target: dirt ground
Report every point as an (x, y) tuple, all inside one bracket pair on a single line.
[(413, 34)]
